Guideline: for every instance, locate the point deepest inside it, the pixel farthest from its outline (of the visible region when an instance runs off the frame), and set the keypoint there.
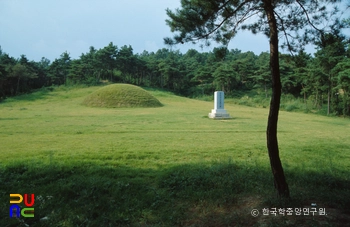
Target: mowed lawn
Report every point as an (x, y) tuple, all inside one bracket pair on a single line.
[(159, 148)]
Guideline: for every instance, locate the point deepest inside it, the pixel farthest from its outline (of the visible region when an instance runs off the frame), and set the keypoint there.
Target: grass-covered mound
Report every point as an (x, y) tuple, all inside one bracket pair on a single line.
[(121, 95)]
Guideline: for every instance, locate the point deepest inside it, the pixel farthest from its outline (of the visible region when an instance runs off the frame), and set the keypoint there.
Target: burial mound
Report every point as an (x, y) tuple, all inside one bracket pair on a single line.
[(121, 95)]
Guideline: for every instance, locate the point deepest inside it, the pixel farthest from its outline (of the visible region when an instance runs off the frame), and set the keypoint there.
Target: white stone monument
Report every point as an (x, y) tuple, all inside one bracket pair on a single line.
[(219, 112)]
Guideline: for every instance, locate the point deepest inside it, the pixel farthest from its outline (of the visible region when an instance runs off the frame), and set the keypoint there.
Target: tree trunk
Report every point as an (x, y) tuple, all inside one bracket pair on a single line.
[(2, 90), (330, 94), (271, 132), (329, 102), (17, 89), (304, 96)]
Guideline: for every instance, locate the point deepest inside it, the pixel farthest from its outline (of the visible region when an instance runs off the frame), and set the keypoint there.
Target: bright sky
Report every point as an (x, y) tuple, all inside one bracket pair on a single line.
[(47, 28)]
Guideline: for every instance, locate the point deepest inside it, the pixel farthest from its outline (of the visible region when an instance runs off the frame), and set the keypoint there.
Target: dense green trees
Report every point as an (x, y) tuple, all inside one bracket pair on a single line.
[(341, 73), (59, 69), (190, 74), (17, 76)]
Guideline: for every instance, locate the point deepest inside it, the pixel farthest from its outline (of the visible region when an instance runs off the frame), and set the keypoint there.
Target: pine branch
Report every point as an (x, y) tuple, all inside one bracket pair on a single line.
[(224, 20), (307, 16)]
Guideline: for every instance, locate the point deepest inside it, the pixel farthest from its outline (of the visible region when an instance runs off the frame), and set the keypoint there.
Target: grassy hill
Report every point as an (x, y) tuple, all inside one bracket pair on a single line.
[(169, 166), (121, 95)]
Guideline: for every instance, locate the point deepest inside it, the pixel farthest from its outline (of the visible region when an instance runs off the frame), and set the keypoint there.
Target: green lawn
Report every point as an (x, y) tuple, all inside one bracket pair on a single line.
[(166, 166)]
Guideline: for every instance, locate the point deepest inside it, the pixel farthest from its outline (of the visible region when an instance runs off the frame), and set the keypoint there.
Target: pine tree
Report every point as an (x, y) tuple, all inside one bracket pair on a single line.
[(219, 20)]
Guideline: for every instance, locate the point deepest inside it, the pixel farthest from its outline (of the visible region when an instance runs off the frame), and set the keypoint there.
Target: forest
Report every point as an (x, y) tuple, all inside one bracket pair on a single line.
[(322, 79)]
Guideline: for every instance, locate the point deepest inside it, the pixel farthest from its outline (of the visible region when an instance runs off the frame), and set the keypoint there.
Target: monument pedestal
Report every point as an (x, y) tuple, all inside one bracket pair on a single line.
[(219, 112)]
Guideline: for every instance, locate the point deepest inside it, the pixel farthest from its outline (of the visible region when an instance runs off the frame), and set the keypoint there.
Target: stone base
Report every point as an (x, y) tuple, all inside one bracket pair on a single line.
[(219, 114)]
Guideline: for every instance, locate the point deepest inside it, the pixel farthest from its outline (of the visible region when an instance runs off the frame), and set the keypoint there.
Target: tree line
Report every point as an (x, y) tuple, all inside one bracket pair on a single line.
[(323, 78)]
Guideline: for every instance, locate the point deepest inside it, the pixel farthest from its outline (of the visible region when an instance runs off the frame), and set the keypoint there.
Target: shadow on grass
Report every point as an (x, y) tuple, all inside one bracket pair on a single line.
[(214, 194)]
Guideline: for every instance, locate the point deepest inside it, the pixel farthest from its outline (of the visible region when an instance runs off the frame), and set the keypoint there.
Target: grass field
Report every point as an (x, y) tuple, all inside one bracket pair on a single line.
[(166, 166)]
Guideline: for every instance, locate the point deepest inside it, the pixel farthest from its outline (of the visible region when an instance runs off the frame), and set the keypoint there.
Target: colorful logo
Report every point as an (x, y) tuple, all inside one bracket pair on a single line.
[(16, 211)]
